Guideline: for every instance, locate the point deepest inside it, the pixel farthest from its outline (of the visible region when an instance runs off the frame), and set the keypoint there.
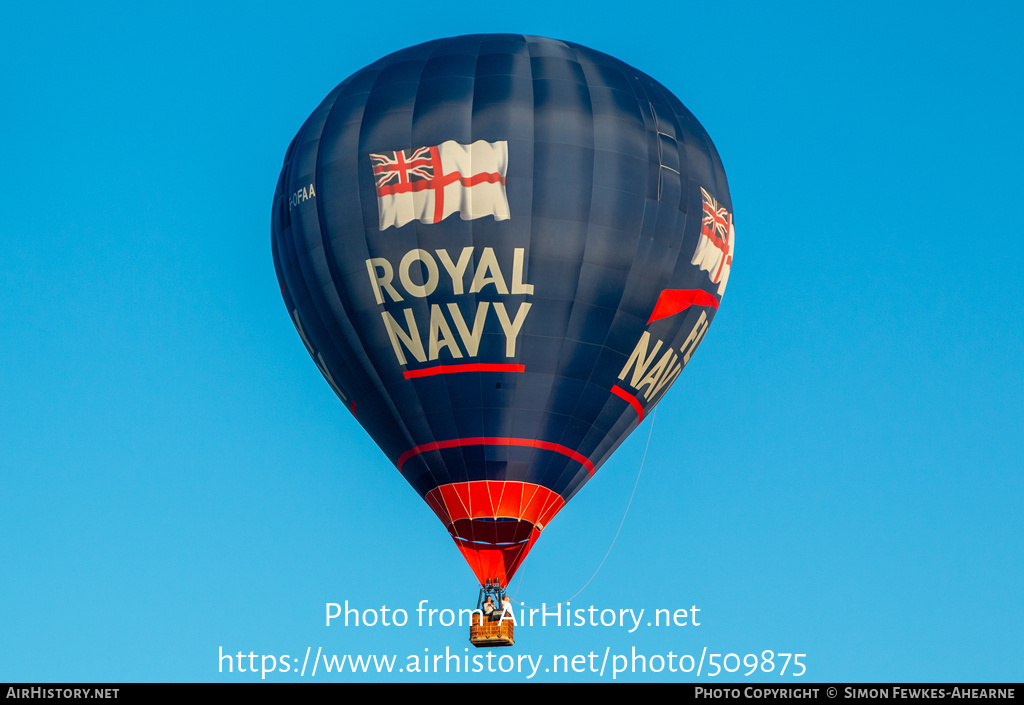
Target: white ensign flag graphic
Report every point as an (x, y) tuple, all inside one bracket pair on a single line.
[(429, 184)]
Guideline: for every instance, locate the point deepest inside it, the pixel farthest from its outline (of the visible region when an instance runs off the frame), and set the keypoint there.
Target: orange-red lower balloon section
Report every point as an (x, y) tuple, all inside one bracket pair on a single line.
[(494, 522)]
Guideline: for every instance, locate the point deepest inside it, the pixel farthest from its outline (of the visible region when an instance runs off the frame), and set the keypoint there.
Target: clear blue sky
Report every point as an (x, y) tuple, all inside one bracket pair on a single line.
[(837, 472)]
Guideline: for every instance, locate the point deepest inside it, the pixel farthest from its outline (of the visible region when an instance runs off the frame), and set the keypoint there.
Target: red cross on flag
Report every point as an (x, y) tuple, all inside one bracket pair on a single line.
[(715, 246), (429, 184)]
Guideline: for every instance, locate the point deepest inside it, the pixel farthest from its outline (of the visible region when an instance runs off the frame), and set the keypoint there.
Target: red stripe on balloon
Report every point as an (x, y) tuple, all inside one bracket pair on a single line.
[(485, 441), (673, 301)]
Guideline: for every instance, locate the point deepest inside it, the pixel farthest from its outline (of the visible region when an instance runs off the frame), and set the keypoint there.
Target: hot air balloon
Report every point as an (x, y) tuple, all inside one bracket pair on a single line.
[(501, 251)]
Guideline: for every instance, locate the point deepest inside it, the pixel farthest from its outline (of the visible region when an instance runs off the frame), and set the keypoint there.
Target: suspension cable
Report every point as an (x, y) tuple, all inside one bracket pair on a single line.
[(650, 433)]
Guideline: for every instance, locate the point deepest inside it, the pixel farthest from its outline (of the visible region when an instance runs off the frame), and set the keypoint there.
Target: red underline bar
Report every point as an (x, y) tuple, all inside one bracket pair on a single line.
[(454, 369), (633, 401)]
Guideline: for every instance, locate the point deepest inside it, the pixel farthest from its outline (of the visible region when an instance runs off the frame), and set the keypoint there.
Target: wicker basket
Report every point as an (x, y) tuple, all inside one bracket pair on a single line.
[(485, 633)]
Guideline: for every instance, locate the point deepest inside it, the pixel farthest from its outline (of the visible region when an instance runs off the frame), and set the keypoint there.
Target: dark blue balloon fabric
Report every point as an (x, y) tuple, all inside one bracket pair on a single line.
[(501, 251)]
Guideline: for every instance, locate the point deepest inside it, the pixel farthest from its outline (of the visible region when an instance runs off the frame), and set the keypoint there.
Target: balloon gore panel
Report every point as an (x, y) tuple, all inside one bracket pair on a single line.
[(501, 251)]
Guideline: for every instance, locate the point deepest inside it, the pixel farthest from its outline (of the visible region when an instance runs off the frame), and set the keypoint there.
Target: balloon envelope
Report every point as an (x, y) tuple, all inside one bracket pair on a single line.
[(501, 251)]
